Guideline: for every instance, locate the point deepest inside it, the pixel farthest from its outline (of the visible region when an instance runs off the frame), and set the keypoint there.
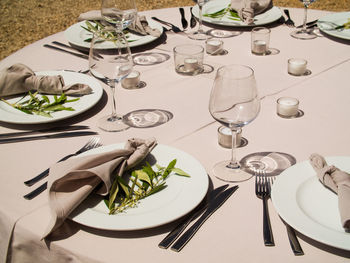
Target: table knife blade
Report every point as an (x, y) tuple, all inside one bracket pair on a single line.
[(170, 238), (213, 206)]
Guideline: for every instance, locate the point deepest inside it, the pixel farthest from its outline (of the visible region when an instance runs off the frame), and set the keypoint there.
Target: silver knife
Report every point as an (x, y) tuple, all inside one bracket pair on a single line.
[(170, 238), (47, 136), (213, 206), (293, 240), (66, 51)]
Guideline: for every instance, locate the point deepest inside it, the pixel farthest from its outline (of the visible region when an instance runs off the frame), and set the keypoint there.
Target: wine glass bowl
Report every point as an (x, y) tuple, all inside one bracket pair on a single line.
[(110, 66), (234, 103), (199, 34), (304, 32), (120, 13)]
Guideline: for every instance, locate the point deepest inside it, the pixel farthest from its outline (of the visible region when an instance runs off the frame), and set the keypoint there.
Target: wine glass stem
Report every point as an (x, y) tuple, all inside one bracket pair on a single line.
[(114, 107), (233, 162), (305, 18), (200, 18)]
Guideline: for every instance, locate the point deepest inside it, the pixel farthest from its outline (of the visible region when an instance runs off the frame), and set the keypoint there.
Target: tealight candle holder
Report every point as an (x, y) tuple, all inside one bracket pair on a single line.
[(132, 80), (188, 59), (225, 137), (297, 66), (214, 46), (287, 107), (260, 39)]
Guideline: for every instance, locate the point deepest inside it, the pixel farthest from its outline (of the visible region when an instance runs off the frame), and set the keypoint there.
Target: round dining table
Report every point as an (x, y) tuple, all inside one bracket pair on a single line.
[(234, 233)]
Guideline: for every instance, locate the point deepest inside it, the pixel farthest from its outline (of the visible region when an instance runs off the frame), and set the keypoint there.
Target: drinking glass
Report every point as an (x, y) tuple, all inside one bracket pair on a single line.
[(199, 34), (304, 33), (120, 13), (110, 66), (234, 103)]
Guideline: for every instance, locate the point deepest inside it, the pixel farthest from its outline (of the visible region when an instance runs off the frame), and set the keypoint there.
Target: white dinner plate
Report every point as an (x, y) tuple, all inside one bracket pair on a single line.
[(338, 19), (267, 17), (12, 115), (76, 35), (181, 195), (306, 205)]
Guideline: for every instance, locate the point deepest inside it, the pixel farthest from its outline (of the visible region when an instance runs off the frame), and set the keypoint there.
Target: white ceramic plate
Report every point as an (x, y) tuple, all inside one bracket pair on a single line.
[(181, 196), (338, 19), (267, 17), (12, 115), (76, 35), (305, 204)]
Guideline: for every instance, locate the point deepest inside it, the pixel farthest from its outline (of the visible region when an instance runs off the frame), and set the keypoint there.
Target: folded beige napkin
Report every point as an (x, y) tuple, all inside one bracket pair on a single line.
[(336, 180), (19, 79), (71, 181), (139, 26), (247, 9)]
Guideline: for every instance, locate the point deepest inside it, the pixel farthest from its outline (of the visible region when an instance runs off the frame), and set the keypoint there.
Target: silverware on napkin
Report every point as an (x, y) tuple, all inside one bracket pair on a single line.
[(67, 51), (174, 234), (213, 206), (183, 19), (47, 136)]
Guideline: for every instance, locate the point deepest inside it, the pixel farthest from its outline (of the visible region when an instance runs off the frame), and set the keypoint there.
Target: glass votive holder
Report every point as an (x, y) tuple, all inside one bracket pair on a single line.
[(287, 107), (188, 59), (214, 46), (297, 66), (260, 40), (225, 137), (132, 80)]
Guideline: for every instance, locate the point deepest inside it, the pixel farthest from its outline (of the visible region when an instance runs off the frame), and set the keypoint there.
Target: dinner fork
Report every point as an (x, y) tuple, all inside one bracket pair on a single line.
[(263, 191), (173, 27), (92, 143), (289, 22)]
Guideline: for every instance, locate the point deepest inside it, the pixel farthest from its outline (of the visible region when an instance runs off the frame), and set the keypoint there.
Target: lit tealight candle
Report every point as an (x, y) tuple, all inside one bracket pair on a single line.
[(213, 46), (191, 64), (287, 107), (297, 66), (225, 137), (132, 80), (259, 47)]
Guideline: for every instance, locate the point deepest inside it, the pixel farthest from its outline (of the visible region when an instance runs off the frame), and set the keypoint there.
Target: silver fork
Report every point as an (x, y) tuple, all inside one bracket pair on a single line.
[(289, 22), (94, 142), (263, 191)]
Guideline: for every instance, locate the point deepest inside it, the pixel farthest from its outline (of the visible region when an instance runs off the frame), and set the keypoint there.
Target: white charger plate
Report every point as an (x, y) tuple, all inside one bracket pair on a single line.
[(76, 35), (267, 17), (338, 19), (306, 205), (11, 115), (181, 196)]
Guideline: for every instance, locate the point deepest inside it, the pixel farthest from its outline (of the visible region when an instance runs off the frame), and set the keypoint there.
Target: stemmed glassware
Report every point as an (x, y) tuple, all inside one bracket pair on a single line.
[(304, 33), (199, 34), (234, 103), (110, 66)]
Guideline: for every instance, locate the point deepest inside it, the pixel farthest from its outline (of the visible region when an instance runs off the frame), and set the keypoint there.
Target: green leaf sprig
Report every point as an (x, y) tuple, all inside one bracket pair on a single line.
[(143, 183), (41, 106), (231, 14)]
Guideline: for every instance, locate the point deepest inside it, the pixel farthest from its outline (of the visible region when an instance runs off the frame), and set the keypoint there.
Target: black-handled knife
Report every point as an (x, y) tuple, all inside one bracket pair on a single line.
[(48, 136), (213, 206), (293, 240), (36, 192), (170, 238), (183, 19), (193, 20), (67, 51)]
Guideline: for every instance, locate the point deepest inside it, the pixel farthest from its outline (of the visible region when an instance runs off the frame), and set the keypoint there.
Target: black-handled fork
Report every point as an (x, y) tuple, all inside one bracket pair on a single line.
[(173, 27), (183, 19), (289, 22)]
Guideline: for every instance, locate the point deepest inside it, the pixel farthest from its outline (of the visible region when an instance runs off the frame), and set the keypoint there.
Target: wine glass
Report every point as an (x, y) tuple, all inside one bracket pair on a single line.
[(120, 13), (199, 34), (304, 33), (234, 103), (110, 66)]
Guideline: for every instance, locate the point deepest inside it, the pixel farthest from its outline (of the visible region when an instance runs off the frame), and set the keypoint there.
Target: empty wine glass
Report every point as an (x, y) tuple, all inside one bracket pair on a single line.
[(120, 13), (304, 33), (199, 34), (234, 103), (110, 66)]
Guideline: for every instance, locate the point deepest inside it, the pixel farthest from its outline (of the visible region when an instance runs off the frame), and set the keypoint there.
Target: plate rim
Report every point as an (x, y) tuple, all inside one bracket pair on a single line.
[(326, 18), (94, 84), (205, 180), (273, 9), (298, 219)]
